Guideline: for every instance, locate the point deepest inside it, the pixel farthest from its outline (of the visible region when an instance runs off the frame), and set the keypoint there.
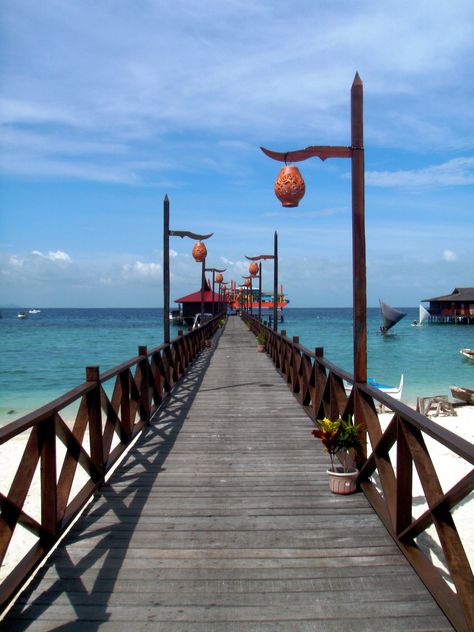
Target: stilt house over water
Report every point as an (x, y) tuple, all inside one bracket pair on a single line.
[(457, 307), (191, 303)]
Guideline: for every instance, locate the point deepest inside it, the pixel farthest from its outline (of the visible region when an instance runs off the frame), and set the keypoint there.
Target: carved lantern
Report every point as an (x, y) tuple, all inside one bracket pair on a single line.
[(219, 278), (253, 268), (199, 252), (247, 283), (289, 186)]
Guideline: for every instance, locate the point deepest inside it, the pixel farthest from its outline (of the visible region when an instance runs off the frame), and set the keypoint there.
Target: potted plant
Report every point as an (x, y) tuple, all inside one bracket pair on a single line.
[(260, 341), (340, 438)]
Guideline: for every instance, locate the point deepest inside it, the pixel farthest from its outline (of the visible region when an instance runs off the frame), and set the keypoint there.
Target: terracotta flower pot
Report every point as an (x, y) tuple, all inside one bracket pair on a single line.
[(260, 348), (341, 482), (289, 186)]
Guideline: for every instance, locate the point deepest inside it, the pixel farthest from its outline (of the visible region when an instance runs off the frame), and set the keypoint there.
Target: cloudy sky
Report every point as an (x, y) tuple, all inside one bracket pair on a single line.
[(107, 106)]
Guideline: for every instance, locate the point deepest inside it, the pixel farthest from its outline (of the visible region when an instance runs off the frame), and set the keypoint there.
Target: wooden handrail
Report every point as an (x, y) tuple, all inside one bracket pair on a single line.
[(108, 424), (319, 387)]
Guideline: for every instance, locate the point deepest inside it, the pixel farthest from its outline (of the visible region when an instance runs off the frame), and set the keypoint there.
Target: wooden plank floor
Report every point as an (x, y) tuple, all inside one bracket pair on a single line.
[(221, 520)]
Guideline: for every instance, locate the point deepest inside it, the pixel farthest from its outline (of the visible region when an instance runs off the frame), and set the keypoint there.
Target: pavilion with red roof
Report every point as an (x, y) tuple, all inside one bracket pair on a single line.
[(191, 303)]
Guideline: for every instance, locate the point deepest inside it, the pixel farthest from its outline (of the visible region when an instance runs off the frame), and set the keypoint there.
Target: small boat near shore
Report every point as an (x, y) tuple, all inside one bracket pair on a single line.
[(467, 353), (21, 315), (462, 393), (393, 391)]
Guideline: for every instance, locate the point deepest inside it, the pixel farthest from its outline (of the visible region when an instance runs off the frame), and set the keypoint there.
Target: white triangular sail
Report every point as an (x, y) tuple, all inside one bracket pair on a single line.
[(424, 315)]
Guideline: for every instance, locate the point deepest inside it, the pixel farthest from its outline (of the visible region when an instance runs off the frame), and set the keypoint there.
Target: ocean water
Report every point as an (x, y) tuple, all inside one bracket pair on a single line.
[(45, 355)]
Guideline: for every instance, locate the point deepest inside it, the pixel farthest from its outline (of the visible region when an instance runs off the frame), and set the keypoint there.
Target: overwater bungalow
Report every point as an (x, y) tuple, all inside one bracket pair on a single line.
[(190, 305), (457, 307)]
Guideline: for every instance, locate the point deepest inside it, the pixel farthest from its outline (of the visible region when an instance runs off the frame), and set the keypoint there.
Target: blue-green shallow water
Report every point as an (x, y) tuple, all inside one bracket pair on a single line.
[(46, 354)]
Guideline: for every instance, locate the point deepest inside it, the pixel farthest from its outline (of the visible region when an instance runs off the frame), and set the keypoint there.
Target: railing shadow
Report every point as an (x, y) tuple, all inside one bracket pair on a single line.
[(140, 471)]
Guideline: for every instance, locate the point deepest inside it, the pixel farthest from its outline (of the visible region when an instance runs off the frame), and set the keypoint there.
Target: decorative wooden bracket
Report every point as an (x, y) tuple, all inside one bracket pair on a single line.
[(260, 257), (298, 155), (187, 233)]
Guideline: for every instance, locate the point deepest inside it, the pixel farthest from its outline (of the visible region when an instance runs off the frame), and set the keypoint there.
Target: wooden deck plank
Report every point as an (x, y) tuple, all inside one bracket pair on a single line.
[(221, 519)]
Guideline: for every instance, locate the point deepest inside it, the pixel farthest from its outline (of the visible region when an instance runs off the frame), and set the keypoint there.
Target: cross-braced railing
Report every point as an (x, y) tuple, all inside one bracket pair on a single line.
[(396, 457), (70, 445)]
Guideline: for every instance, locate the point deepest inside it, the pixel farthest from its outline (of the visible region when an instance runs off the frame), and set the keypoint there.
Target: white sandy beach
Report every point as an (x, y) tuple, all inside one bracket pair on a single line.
[(450, 468)]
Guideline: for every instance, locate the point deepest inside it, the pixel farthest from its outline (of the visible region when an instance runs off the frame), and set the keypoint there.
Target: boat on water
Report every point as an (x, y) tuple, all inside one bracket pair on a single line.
[(467, 353), (34, 311), (21, 315), (176, 316), (201, 319), (393, 391), (423, 316), (462, 393), (239, 298), (390, 316)]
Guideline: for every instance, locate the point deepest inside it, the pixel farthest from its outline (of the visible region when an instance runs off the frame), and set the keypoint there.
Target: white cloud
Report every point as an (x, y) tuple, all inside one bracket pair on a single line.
[(455, 172), (58, 255), (449, 255), (141, 270), (15, 261)]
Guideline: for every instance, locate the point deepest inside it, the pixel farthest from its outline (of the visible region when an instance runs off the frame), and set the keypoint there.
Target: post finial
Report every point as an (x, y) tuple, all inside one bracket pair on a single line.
[(357, 80), (166, 198)]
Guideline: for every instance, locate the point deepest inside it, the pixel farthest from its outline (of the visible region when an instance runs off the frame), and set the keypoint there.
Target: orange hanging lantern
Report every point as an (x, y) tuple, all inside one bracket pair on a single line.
[(199, 252), (289, 186), (253, 268), (223, 287), (219, 278), (247, 283)]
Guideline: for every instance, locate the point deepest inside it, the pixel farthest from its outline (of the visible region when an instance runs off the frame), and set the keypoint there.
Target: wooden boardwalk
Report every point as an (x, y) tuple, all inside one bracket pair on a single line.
[(220, 519)]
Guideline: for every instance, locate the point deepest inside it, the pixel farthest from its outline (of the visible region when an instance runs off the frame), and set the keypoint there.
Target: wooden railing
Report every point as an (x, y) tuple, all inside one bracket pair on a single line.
[(387, 475), (63, 464)]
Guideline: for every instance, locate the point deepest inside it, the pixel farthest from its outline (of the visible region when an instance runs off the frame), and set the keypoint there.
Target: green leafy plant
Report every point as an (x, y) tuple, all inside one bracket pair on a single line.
[(339, 436), (260, 338), (221, 322)]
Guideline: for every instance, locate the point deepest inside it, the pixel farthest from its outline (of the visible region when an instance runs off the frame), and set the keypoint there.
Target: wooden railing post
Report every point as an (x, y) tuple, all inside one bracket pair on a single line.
[(125, 403), (49, 489), (94, 412), (145, 384)]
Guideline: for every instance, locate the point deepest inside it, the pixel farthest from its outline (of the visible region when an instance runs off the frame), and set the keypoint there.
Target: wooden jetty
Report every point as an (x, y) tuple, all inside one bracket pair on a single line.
[(220, 519)]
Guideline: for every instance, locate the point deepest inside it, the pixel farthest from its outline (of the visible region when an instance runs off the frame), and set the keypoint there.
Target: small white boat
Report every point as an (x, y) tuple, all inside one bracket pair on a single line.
[(201, 319), (422, 317), (34, 311), (21, 315), (467, 353), (462, 393), (393, 391), (176, 316)]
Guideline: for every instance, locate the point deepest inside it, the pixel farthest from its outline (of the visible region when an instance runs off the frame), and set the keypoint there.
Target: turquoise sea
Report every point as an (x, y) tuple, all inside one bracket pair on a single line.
[(45, 354)]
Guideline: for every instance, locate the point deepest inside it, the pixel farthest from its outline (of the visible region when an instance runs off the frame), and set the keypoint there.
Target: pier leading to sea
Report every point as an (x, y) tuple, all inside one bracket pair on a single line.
[(220, 516)]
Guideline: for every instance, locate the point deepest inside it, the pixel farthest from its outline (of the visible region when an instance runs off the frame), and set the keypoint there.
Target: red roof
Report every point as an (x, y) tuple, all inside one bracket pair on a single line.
[(195, 297)]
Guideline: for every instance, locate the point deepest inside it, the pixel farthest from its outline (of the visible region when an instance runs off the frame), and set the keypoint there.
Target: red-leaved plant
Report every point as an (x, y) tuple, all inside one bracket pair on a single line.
[(338, 436)]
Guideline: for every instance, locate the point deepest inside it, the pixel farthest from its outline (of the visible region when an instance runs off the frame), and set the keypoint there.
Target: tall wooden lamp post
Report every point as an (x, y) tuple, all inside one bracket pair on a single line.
[(248, 292), (167, 233), (289, 187), (274, 256), (214, 278)]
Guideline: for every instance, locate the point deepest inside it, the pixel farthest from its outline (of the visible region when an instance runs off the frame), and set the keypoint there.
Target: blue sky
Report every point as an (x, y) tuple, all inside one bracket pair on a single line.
[(106, 106)]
